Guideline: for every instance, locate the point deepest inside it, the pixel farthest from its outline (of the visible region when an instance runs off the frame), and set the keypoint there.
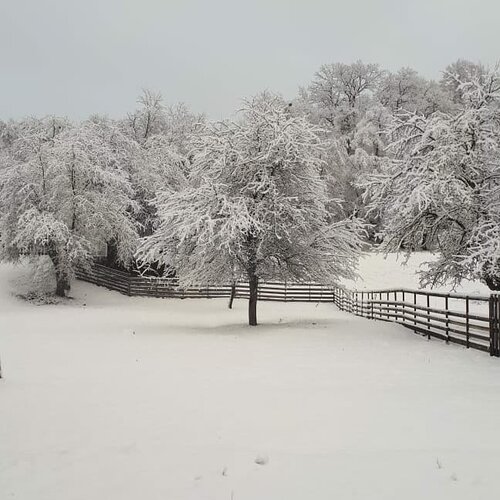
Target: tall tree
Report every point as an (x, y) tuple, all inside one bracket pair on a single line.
[(340, 91), (163, 134), (341, 98), (459, 72), (255, 206), (406, 90)]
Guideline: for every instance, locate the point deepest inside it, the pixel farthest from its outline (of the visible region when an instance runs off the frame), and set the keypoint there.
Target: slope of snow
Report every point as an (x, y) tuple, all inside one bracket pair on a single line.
[(379, 272), (117, 398)]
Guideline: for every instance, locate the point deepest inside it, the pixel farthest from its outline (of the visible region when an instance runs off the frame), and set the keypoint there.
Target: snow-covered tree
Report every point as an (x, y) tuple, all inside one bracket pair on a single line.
[(341, 99), (338, 82), (406, 90), (339, 92), (175, 123), (255, 206), (8, 134), (163, 134), (149, 118), (443, 186), (458, 72), (64, 193)]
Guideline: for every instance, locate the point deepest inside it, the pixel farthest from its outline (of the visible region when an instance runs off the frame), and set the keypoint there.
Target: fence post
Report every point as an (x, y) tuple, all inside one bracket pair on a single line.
[(447, 304), (494, 325), (467, 322), (415, 311), (403, 306), (428, 317)]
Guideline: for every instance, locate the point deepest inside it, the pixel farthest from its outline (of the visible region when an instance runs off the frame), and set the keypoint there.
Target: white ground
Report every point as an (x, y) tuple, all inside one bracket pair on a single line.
[(116, 398), (379, 272)]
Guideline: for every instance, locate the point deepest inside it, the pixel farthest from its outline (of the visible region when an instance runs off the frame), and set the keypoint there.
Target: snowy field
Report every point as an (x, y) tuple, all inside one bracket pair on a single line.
[(107, 397), (380, 272)]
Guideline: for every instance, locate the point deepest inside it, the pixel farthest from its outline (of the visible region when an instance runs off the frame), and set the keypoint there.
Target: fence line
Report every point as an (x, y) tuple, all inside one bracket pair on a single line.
[(452, 321), (136, 285), (413, 309)]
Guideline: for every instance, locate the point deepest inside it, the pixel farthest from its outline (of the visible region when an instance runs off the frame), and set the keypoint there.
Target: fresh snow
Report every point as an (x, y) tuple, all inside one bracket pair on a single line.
[(378, 271), (106, 397)]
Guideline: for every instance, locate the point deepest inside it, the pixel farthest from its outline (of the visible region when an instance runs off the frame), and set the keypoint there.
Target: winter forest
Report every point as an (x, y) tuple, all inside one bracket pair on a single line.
[(287, 189)]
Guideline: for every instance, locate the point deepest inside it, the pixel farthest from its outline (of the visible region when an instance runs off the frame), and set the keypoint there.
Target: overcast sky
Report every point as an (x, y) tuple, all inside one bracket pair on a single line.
[(77, 57)]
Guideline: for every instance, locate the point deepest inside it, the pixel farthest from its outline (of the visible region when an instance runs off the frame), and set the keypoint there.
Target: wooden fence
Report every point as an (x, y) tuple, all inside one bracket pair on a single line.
[(136, 285), (471, 321), (468, 320)]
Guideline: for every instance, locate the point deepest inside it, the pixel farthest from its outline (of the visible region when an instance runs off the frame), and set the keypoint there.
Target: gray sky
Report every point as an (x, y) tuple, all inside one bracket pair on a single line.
[(77, 57)]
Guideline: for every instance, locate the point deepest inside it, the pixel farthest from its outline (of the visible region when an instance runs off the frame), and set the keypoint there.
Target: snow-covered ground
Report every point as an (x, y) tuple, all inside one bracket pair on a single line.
[(380, 272), (108, 397)]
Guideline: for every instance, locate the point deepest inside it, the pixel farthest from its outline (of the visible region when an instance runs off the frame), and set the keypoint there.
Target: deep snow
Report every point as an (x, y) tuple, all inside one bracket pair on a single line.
[(110, 397)]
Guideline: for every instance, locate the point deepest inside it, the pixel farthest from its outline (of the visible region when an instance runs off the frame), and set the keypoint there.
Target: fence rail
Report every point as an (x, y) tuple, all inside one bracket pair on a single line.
[(420, 311), (136, 285), (445, 316)]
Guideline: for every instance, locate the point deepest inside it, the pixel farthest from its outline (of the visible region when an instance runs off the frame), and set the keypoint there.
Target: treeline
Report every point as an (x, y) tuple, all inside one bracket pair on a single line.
[(375, 138)]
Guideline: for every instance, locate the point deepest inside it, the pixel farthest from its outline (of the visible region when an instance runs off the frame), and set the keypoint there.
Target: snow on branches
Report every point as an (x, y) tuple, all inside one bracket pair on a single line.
[(442, 188), (63, 192), (255, 205)]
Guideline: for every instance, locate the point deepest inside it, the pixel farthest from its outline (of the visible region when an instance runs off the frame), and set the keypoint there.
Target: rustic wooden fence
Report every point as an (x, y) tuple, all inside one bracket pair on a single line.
[(468, 320), (136, 285)]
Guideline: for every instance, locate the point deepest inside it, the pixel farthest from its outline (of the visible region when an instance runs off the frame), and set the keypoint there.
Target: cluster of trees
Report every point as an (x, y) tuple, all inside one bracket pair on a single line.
[(441, 187), (68, 190), (417, 159), (288, 190)]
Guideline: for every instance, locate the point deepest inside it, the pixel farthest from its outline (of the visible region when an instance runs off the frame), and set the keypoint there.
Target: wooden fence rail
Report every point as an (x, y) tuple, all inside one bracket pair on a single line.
[(444, 316), (136, 285), (439, 315)]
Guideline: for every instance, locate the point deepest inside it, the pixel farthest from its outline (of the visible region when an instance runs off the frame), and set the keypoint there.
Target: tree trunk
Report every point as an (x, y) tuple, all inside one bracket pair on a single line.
[(253, 282), (493, 282), (62, 279), (491, 276), (111, 253), (62, 284), (233, 293)]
